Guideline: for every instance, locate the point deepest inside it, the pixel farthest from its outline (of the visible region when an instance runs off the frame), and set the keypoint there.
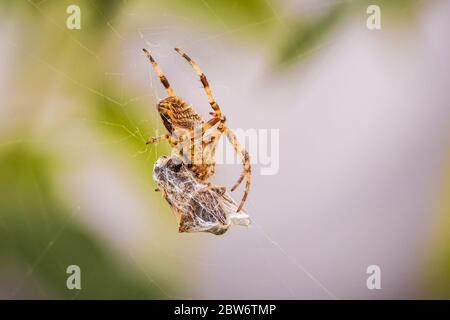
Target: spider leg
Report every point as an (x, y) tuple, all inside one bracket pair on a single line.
[(195, 141), (219, 190), (160, 74), (245, 157), (173, 141), (189, 142), (209, 144), (211, 123), (205, 84), (238, 182), (157, 139)]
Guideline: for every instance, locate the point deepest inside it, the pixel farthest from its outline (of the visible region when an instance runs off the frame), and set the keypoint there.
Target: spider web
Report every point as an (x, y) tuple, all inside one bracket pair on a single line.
[(148, 37)]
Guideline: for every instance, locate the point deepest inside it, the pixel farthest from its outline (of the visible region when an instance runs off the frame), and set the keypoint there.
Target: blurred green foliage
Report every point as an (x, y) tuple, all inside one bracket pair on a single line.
[(228, 13), (41, 234), (308, 35), (437, 280)]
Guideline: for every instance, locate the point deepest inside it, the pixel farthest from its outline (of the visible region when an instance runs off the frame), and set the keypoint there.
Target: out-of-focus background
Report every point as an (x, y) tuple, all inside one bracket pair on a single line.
[(364, 170)]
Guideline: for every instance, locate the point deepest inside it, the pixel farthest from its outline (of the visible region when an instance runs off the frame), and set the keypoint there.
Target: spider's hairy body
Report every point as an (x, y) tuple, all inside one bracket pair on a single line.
[(176, 114), (188, 131)]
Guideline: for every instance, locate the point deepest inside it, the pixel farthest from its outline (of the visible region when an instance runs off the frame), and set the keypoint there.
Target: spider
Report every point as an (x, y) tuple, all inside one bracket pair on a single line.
[(178, 116)]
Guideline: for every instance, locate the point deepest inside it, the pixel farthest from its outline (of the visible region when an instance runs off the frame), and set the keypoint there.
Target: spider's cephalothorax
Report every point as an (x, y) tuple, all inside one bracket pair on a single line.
[(186, 125), (176, 113)]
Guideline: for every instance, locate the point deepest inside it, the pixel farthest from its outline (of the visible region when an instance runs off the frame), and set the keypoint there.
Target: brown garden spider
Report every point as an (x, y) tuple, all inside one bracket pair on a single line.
[(178, 116)]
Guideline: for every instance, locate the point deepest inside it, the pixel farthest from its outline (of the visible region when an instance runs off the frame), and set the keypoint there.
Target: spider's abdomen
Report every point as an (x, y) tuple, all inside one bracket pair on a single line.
[(176, 113)]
